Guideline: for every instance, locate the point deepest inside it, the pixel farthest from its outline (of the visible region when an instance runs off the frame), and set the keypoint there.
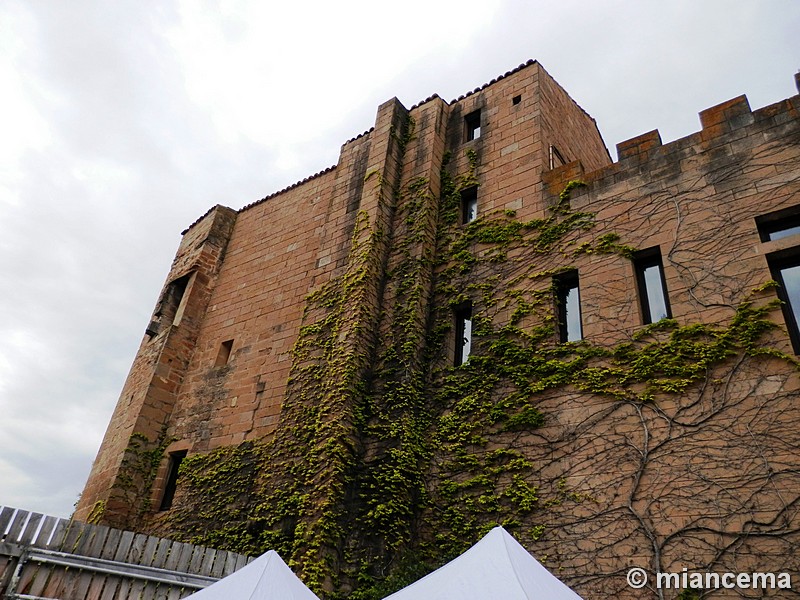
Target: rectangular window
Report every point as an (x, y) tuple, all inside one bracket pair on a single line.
[(463, 334), (568, 306), (473, 123), (779, 224), (651, 285), (175, 459), (469, 204), (785, 265), (785, 268)]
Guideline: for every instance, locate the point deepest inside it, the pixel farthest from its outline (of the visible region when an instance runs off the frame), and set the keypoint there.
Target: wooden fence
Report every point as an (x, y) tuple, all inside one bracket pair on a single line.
[(47, 557)]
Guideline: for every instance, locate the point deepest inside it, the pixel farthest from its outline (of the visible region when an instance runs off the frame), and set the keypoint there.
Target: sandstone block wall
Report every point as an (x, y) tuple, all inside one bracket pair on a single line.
[(335, 300)]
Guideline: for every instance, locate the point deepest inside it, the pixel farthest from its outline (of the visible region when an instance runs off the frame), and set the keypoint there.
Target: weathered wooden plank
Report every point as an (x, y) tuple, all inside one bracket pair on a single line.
[(186, 558), (7, 566), (86, 540), (162, 593), (208, 562), (6, 512), (220, 559), (45, 532), (196, 563), (31, 528), (136, 553), (70, 583), (4, 560), (91, 545), (149, 552), (17, 525), (95, 589), (26, 577), (230, 563), (40, 581), (149, 591), (124, 546), (137, 588), (174, 556), (110, 590), (176, 593), (84, 582), (241, 560), (55, 583), (111, 545), (59, 532), (162, 553), (123, 589), (72, 537), (99, 541)]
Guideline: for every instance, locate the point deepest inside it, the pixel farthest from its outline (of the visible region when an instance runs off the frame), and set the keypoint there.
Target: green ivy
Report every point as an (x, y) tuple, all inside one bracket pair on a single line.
[(389, 460)]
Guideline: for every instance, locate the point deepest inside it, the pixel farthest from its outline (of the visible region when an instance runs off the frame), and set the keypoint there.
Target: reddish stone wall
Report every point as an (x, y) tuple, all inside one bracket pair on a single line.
[(624, 482), (706, 477)]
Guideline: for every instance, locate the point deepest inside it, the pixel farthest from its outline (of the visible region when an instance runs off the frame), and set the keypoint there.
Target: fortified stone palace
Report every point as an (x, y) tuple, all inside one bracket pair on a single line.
[(477, 318)]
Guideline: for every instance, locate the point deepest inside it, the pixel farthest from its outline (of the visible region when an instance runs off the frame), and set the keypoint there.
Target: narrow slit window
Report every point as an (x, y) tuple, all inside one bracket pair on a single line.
[(463, 344), (568, 306), (224, 354), (556, 159), (469, 204), (652, 286), (785, 269), (171, 485), (473, 123)]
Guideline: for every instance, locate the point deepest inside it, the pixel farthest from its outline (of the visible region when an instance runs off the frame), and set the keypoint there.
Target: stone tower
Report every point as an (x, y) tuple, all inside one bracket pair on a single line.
[(473, 318)]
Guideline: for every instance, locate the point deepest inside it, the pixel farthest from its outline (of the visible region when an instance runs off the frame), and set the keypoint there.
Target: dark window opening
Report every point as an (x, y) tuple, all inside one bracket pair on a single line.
[(175, 459), (473, 123), (651, 285), (170, 309), (224, 354), (469, 204), (778, 225), (568, 306), (516, 100), (556, 159), (463, 334), (785, 269)]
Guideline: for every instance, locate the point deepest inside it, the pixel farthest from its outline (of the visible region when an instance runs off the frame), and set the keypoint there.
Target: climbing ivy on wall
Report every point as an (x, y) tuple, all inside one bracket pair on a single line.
[(137, 473), (389, 459)]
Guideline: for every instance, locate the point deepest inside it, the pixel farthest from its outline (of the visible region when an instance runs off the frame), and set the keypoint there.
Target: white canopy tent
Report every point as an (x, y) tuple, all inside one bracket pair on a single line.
[(496, 567), (266, 578)]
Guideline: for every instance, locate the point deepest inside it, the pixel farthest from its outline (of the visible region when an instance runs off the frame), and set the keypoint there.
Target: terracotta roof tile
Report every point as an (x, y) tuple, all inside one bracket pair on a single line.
[(286, 189)]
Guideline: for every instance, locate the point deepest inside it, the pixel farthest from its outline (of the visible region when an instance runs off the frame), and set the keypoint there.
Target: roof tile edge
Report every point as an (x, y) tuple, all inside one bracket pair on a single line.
[(524, 65)]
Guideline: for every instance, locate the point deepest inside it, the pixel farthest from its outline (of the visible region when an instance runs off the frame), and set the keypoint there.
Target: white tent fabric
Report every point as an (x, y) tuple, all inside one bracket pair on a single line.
[(496, 567), (266, 578)]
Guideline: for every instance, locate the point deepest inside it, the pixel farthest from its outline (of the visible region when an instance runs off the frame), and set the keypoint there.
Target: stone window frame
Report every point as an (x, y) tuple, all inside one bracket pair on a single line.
[(469, 203), (642, 262), (462, 345), (564, 284), (472, 125)]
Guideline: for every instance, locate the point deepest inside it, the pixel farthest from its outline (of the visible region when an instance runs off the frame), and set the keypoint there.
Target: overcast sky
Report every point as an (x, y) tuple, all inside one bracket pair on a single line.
[(122, 122)]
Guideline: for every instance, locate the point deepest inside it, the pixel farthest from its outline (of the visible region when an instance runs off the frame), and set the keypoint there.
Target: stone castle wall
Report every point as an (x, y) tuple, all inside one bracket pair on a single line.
[(309, 338)]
